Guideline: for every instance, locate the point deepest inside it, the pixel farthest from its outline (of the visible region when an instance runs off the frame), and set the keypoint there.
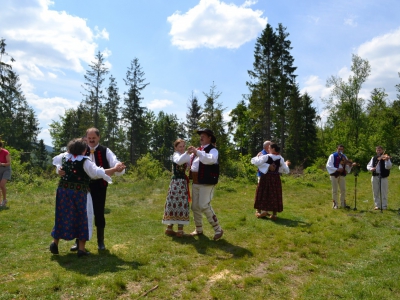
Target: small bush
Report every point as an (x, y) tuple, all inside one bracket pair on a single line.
[(147, 167)]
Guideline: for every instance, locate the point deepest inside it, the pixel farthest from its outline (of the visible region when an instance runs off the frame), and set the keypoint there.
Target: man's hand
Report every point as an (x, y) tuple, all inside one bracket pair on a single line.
[(120, 167), (61, 172)]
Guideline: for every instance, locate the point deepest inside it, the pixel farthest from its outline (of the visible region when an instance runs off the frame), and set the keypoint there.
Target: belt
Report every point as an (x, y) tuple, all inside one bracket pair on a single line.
[(195, 177)]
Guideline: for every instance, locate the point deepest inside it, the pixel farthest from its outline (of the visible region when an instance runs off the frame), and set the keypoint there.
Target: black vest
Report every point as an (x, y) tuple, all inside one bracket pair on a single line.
[(75, 177), (384, 172), (100, 158), (178, 171), (208, 174)]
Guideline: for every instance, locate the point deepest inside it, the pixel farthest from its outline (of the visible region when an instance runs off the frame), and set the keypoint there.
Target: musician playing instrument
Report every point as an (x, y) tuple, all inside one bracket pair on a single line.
[(380, 166), (338, 166)]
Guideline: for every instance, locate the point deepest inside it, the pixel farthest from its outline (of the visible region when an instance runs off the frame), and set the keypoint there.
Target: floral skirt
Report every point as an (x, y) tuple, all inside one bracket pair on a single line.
[(269, 193), (74, 215), (176, 209)]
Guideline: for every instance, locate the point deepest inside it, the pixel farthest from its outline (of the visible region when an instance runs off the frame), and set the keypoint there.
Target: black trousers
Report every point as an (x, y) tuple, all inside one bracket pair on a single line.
[(99, 191)]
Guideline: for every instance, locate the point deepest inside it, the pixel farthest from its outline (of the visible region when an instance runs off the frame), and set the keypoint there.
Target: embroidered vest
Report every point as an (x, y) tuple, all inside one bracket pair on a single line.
[(178, 171), (208, 174), (336, 163), (100, 158), (384, 172), (75, 177)]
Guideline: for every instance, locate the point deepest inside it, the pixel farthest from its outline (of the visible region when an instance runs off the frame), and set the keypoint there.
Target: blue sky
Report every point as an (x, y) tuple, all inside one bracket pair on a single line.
[(184, 46)]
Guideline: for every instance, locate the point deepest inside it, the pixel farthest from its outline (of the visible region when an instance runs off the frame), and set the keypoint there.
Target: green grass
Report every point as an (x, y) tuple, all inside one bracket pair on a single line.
[(310, 252)]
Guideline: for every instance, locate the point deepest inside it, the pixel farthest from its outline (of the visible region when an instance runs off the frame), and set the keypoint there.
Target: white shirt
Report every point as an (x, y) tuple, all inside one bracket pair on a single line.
[(331, 168), (111, 158), (90, 167), (388, 165), (260, 162), (210, 158), (180, 159)]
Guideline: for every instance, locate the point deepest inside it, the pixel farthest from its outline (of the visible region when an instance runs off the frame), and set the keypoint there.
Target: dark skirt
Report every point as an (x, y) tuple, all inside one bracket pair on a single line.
[(269, 193), (71, 219)]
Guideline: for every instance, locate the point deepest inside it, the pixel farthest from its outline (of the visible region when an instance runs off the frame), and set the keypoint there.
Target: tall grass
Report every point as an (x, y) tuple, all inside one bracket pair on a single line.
[(310, 252)]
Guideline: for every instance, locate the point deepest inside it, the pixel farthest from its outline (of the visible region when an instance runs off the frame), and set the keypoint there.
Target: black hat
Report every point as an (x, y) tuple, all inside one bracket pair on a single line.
[(209, 132)]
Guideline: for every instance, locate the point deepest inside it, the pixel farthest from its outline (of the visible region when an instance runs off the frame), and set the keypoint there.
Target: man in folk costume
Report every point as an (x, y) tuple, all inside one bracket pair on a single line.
[(380, 166), (264, 151), (205, 172), (338, 168), (105, 158)]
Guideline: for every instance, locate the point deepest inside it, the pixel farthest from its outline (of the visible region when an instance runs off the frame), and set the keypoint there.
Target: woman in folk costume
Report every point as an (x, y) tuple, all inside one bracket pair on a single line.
[(176, 210), (269, 190), (74, 210)]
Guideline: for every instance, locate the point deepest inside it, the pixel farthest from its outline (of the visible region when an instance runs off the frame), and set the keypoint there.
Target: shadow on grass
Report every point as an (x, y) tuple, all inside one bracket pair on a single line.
[(95, 264), (202, 243), (287, 222)]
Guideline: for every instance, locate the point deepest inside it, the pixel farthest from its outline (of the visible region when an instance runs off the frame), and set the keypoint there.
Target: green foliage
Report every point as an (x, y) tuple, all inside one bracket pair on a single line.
[(134, 116), (148, 167), (241, 167)]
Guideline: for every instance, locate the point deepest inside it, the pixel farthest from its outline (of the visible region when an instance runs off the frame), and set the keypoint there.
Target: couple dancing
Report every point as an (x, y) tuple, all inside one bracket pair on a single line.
[(269, 189), (204, 170)]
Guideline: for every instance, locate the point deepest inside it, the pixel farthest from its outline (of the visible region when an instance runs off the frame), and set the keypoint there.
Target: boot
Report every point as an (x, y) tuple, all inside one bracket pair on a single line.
[(75, 246), (100, 239)]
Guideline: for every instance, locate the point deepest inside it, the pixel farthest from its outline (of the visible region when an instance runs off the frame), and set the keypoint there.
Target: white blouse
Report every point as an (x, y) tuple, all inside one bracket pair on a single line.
[(260, 162), (90, 167)]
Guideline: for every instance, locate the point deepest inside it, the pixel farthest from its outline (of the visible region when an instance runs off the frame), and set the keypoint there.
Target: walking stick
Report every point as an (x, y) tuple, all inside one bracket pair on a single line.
[(380, 191)]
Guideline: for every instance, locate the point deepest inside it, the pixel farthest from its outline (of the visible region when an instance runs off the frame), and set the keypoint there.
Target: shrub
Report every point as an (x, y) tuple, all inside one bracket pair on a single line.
[(147, 167)]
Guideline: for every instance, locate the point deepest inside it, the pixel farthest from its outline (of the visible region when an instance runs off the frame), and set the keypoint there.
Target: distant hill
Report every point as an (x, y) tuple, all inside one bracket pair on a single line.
[(49, 149)]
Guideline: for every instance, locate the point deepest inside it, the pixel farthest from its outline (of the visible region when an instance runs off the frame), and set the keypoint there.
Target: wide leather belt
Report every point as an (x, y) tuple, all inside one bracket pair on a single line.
[(195, 177)]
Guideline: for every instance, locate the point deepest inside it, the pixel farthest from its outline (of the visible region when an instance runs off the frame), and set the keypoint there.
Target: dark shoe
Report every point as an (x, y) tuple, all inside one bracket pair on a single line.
[(100, 239), (53, 248), (75, 246), (170, 232), (218, 235), (100, 245), (83, 253)]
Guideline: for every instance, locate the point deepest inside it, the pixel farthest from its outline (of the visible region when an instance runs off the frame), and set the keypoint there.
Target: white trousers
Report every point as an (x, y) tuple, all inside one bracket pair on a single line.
[(383, 191), (201, 204), (339, 183)]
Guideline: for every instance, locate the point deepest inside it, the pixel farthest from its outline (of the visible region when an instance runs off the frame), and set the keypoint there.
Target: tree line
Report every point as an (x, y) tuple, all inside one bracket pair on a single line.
[(274, 109)]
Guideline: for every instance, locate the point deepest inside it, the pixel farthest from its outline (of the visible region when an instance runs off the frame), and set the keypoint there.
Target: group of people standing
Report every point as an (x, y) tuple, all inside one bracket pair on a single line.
[(338, 166), (86, 167)]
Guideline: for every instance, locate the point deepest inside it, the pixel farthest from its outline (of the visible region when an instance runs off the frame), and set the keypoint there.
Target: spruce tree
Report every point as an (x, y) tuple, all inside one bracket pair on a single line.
[(193, 117), (261, 87), (111, 114), (133, 114), (94, 97)]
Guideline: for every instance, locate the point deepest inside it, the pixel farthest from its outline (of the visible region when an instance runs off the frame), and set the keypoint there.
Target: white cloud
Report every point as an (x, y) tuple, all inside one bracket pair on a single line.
[(44, 43), (46, 38), (315, 87), (213, 24), (351, 21), (103, 34), (159, 103), (52, 75), (383, 53), (313, 19)]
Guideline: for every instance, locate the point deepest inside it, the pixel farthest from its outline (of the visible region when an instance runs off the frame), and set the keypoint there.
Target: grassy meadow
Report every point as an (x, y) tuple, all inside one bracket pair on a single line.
[(310, 252)]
